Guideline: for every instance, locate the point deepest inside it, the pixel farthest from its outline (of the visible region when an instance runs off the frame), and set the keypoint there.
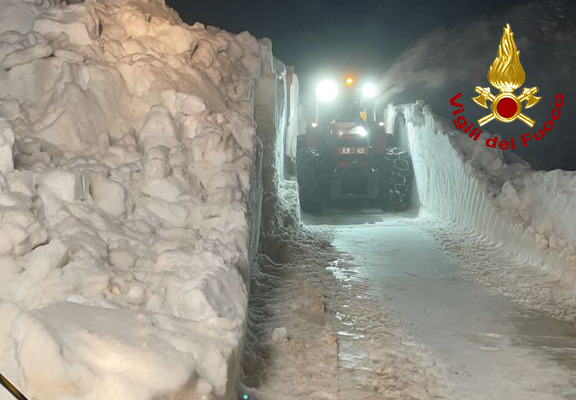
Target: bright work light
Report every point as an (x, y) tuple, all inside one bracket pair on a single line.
[(359, 130), (326, 91), (369, 90)]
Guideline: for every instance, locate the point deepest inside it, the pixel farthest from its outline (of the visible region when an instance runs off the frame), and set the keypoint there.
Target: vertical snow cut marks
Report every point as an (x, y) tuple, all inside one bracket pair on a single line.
[(525, 215)]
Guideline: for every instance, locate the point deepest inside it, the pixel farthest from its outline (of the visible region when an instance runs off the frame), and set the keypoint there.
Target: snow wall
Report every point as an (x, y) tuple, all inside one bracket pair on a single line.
[(530, 215), (130, 198), (276, 100)]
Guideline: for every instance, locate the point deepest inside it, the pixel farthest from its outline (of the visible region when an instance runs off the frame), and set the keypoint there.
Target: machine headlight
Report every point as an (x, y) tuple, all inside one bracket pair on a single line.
[(359, 130), (326, 91), (369, 90)]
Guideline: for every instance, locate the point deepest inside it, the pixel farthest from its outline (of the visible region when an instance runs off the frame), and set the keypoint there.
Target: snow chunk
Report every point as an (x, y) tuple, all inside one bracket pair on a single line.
[(156, 165), (78, 21), (17, 49), (35, 52), (18, 15), (65, 185), (6, 146), (279, 334), (21, 230), (139, 30), (10, 109), (159, 129), (39, 263), (147, 355), (109, 196), (183, 103)]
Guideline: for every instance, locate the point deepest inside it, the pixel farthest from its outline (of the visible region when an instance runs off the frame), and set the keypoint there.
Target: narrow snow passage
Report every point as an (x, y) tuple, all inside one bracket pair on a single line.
[(493, 349)]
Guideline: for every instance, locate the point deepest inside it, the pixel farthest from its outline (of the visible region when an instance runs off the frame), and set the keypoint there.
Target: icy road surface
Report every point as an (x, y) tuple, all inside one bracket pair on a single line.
[(493, 349)]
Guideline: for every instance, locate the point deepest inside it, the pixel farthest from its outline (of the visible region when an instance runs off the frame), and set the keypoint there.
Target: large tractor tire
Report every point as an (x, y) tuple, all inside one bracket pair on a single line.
[(396, 177), (311, 184)]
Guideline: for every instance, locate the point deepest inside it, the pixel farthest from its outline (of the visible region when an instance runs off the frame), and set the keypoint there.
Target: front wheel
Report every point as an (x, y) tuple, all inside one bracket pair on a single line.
[(311, 189), (396, 174)]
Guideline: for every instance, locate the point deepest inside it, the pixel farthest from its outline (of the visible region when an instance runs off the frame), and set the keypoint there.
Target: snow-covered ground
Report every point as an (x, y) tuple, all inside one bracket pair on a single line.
[(319, 335), (126, 146), (523, 215), (491, 348)]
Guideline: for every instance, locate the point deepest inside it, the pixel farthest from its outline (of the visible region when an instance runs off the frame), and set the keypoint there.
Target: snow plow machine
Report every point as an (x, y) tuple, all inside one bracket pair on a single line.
[(346, 152)]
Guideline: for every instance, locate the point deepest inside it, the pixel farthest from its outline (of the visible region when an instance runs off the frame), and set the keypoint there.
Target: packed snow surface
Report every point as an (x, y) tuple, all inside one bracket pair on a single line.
[(526, 215), (126, 145)]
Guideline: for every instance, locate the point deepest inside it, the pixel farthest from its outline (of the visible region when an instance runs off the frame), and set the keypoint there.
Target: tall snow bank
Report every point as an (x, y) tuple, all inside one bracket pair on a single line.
[(126, 150), (275, 97), (527, 214)]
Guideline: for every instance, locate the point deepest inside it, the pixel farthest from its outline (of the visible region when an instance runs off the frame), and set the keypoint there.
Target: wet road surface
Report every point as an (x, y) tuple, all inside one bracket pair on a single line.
[(493, 349)]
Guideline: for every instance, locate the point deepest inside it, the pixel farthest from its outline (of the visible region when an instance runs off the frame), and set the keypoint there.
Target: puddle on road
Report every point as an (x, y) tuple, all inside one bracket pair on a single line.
[(356, 373), (374, 361), (343, 272), (354, 363), (351, 370), (351, 335), (558, 338)]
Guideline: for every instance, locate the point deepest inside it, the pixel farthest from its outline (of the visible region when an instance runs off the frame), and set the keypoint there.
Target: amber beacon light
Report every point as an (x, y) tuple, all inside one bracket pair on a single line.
[(507, 75)]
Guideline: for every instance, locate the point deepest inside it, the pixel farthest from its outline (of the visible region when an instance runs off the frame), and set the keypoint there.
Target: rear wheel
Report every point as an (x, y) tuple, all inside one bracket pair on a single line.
[(396, 174), (311, 188)]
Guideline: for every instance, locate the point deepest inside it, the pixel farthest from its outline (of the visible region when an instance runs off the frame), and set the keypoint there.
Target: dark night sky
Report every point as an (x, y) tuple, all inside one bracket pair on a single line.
[(316, 35), (329, 37)]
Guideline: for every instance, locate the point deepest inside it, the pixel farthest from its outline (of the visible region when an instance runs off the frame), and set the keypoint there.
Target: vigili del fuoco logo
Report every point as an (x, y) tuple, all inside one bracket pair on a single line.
[(506, 74)]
